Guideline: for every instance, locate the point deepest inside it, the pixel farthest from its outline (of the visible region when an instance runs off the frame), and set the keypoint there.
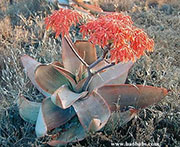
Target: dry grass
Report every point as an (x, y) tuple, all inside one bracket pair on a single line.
[(116, 5), (24, 33)]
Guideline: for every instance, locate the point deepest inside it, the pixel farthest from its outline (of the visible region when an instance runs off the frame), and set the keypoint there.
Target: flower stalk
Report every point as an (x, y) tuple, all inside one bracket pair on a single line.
[(95, 63)]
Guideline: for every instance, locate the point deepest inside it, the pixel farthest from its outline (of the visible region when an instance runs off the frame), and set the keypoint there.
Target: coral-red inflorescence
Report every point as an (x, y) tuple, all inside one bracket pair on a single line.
[(61, 21), (128, 41)]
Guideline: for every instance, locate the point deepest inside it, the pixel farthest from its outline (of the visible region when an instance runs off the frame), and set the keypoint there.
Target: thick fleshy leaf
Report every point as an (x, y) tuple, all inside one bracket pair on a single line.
[(51, 116), (113, 75), (70, 60), (139, 96), (118, 119), (73, 134), (92, 8), (51, 77), (64, 97), (28, 110), (86, 50), (91, 110), (59, 67), (30, 66)]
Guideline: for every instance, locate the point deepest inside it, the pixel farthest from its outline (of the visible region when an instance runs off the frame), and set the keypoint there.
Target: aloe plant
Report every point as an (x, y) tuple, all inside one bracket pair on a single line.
[(86, 86)]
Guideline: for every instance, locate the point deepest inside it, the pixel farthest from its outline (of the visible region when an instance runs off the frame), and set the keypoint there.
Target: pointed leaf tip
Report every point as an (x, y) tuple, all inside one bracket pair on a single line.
[(125, 95), (41, 127), (30, 66)]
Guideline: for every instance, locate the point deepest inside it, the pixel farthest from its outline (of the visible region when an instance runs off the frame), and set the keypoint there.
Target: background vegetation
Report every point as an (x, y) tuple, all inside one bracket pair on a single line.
[(22, 31)]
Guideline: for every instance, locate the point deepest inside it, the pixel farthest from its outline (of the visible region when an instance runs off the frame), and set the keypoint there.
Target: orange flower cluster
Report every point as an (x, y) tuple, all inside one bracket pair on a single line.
[(128, 41), (61, 21)]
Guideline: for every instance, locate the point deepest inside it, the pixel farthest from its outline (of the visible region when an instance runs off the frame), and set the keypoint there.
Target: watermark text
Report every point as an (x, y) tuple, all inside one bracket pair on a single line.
[(139, 144)]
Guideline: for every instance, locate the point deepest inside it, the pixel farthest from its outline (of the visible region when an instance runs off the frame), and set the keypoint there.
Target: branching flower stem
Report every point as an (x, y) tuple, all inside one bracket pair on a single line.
[(96, 62), (90, 74), (85, 86), (103, 68)]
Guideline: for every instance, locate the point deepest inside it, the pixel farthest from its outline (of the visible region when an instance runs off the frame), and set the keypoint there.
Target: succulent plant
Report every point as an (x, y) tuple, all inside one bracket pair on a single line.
[(86, 86)]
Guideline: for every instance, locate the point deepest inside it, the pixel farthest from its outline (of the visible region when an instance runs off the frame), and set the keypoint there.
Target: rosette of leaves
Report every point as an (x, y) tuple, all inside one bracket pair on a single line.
[(85, 86), (62, 84)]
